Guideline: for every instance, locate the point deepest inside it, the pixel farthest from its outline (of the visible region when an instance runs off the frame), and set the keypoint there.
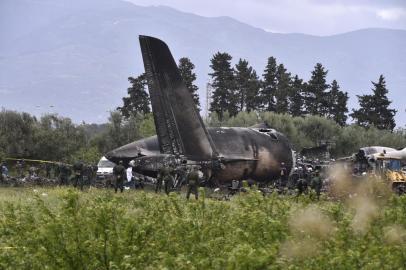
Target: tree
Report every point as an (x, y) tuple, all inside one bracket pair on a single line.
[(87, 154), (337, 104), (56, 137), (186, 68), (223, 96), (247, 86), (374, 109), (252, 100), (296, 101), (138, 99), (316, 102), (282, 89), (268, 90)]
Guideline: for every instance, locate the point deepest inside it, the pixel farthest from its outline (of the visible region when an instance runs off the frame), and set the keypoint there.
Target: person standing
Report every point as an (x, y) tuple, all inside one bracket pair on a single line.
[(94, 170), (301, 186), (168, 179), (33, 172), (164, 175), (20, 169), (159, 180), (48, 170), (78, 169), (192, 179), (283, 175), (3, 171), (317, 183), (130, 176), (63, 171), (85, 174), (180, 172), (120, 175)]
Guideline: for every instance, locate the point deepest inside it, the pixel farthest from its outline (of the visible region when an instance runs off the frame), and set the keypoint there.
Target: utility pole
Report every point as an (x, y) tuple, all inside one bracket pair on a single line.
[(209, 90)]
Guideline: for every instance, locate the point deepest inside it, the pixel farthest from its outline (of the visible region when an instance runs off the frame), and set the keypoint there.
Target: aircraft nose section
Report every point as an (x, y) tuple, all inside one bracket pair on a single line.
[(124, 153), (145, 147)]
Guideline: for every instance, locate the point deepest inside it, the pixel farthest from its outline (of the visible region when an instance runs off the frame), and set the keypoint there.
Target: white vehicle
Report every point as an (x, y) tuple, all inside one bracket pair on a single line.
[(104, 168)]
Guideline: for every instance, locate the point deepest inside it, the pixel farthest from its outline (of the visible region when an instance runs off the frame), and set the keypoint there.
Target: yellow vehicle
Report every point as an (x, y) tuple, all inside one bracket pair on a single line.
[(390, 168)]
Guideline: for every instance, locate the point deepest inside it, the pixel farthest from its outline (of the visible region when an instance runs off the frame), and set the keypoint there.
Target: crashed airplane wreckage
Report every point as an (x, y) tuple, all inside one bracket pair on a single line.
[(223, 154)]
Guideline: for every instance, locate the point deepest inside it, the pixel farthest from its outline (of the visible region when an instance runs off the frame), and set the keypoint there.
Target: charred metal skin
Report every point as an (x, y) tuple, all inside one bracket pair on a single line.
[(249, 153), (246, 153), (224, 154)]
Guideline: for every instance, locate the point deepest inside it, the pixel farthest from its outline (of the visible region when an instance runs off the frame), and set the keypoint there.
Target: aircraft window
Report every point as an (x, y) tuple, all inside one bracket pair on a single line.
[(264, 130)]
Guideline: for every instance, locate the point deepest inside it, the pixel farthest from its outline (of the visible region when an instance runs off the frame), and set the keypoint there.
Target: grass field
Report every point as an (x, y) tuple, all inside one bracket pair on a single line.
[(60, 228)]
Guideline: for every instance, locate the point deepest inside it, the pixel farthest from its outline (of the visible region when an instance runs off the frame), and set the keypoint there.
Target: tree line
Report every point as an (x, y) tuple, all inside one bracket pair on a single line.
[(56, 138), (239, 88)]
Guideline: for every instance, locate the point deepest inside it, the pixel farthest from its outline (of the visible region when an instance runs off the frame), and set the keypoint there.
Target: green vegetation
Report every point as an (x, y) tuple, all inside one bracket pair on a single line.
[(137, 100), (374, 109), (186, 70), (65, 229), (311, 130), (57, 138), (224, 96), (277, 91), (239, 89)]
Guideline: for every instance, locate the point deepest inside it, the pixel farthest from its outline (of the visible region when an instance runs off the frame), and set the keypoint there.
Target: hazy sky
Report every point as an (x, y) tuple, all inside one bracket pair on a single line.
[(318, 17)]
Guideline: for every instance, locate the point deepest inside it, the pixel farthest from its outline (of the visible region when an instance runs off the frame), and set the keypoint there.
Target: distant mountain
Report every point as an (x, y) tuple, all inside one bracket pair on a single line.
[(74, 56)]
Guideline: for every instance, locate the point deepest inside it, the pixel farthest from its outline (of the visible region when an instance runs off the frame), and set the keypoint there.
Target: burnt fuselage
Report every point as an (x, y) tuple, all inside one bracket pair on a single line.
[(223, 154), (244, 153)]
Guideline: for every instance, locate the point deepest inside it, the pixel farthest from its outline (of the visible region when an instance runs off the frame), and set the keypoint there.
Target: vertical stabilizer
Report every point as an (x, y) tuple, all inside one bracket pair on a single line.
[(179, 126)]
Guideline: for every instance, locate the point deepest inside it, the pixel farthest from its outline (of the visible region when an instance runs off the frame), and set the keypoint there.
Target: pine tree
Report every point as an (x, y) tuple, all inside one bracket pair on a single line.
[(282, 89), (316, 102), (224, 97), (362, 116), (138, 99), (374, 109), (186, 68), (268, 91), (247, 86), (296, 100), (341, 109), (252, 100), (337, 104)]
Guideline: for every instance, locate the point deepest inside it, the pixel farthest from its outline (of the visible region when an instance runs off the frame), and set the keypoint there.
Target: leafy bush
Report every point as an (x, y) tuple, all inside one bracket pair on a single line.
[(65, 229)]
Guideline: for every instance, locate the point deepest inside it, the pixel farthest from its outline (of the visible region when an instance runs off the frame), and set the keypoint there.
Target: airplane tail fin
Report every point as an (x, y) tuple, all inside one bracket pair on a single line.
[(179, 126)]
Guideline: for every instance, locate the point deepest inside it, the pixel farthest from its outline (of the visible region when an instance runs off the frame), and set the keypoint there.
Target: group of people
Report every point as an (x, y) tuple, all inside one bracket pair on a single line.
[(188, 175), (79, 174), (303, 178), (168, 177), (44, 169), (21, 170), (62, 171), (121, 175)]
